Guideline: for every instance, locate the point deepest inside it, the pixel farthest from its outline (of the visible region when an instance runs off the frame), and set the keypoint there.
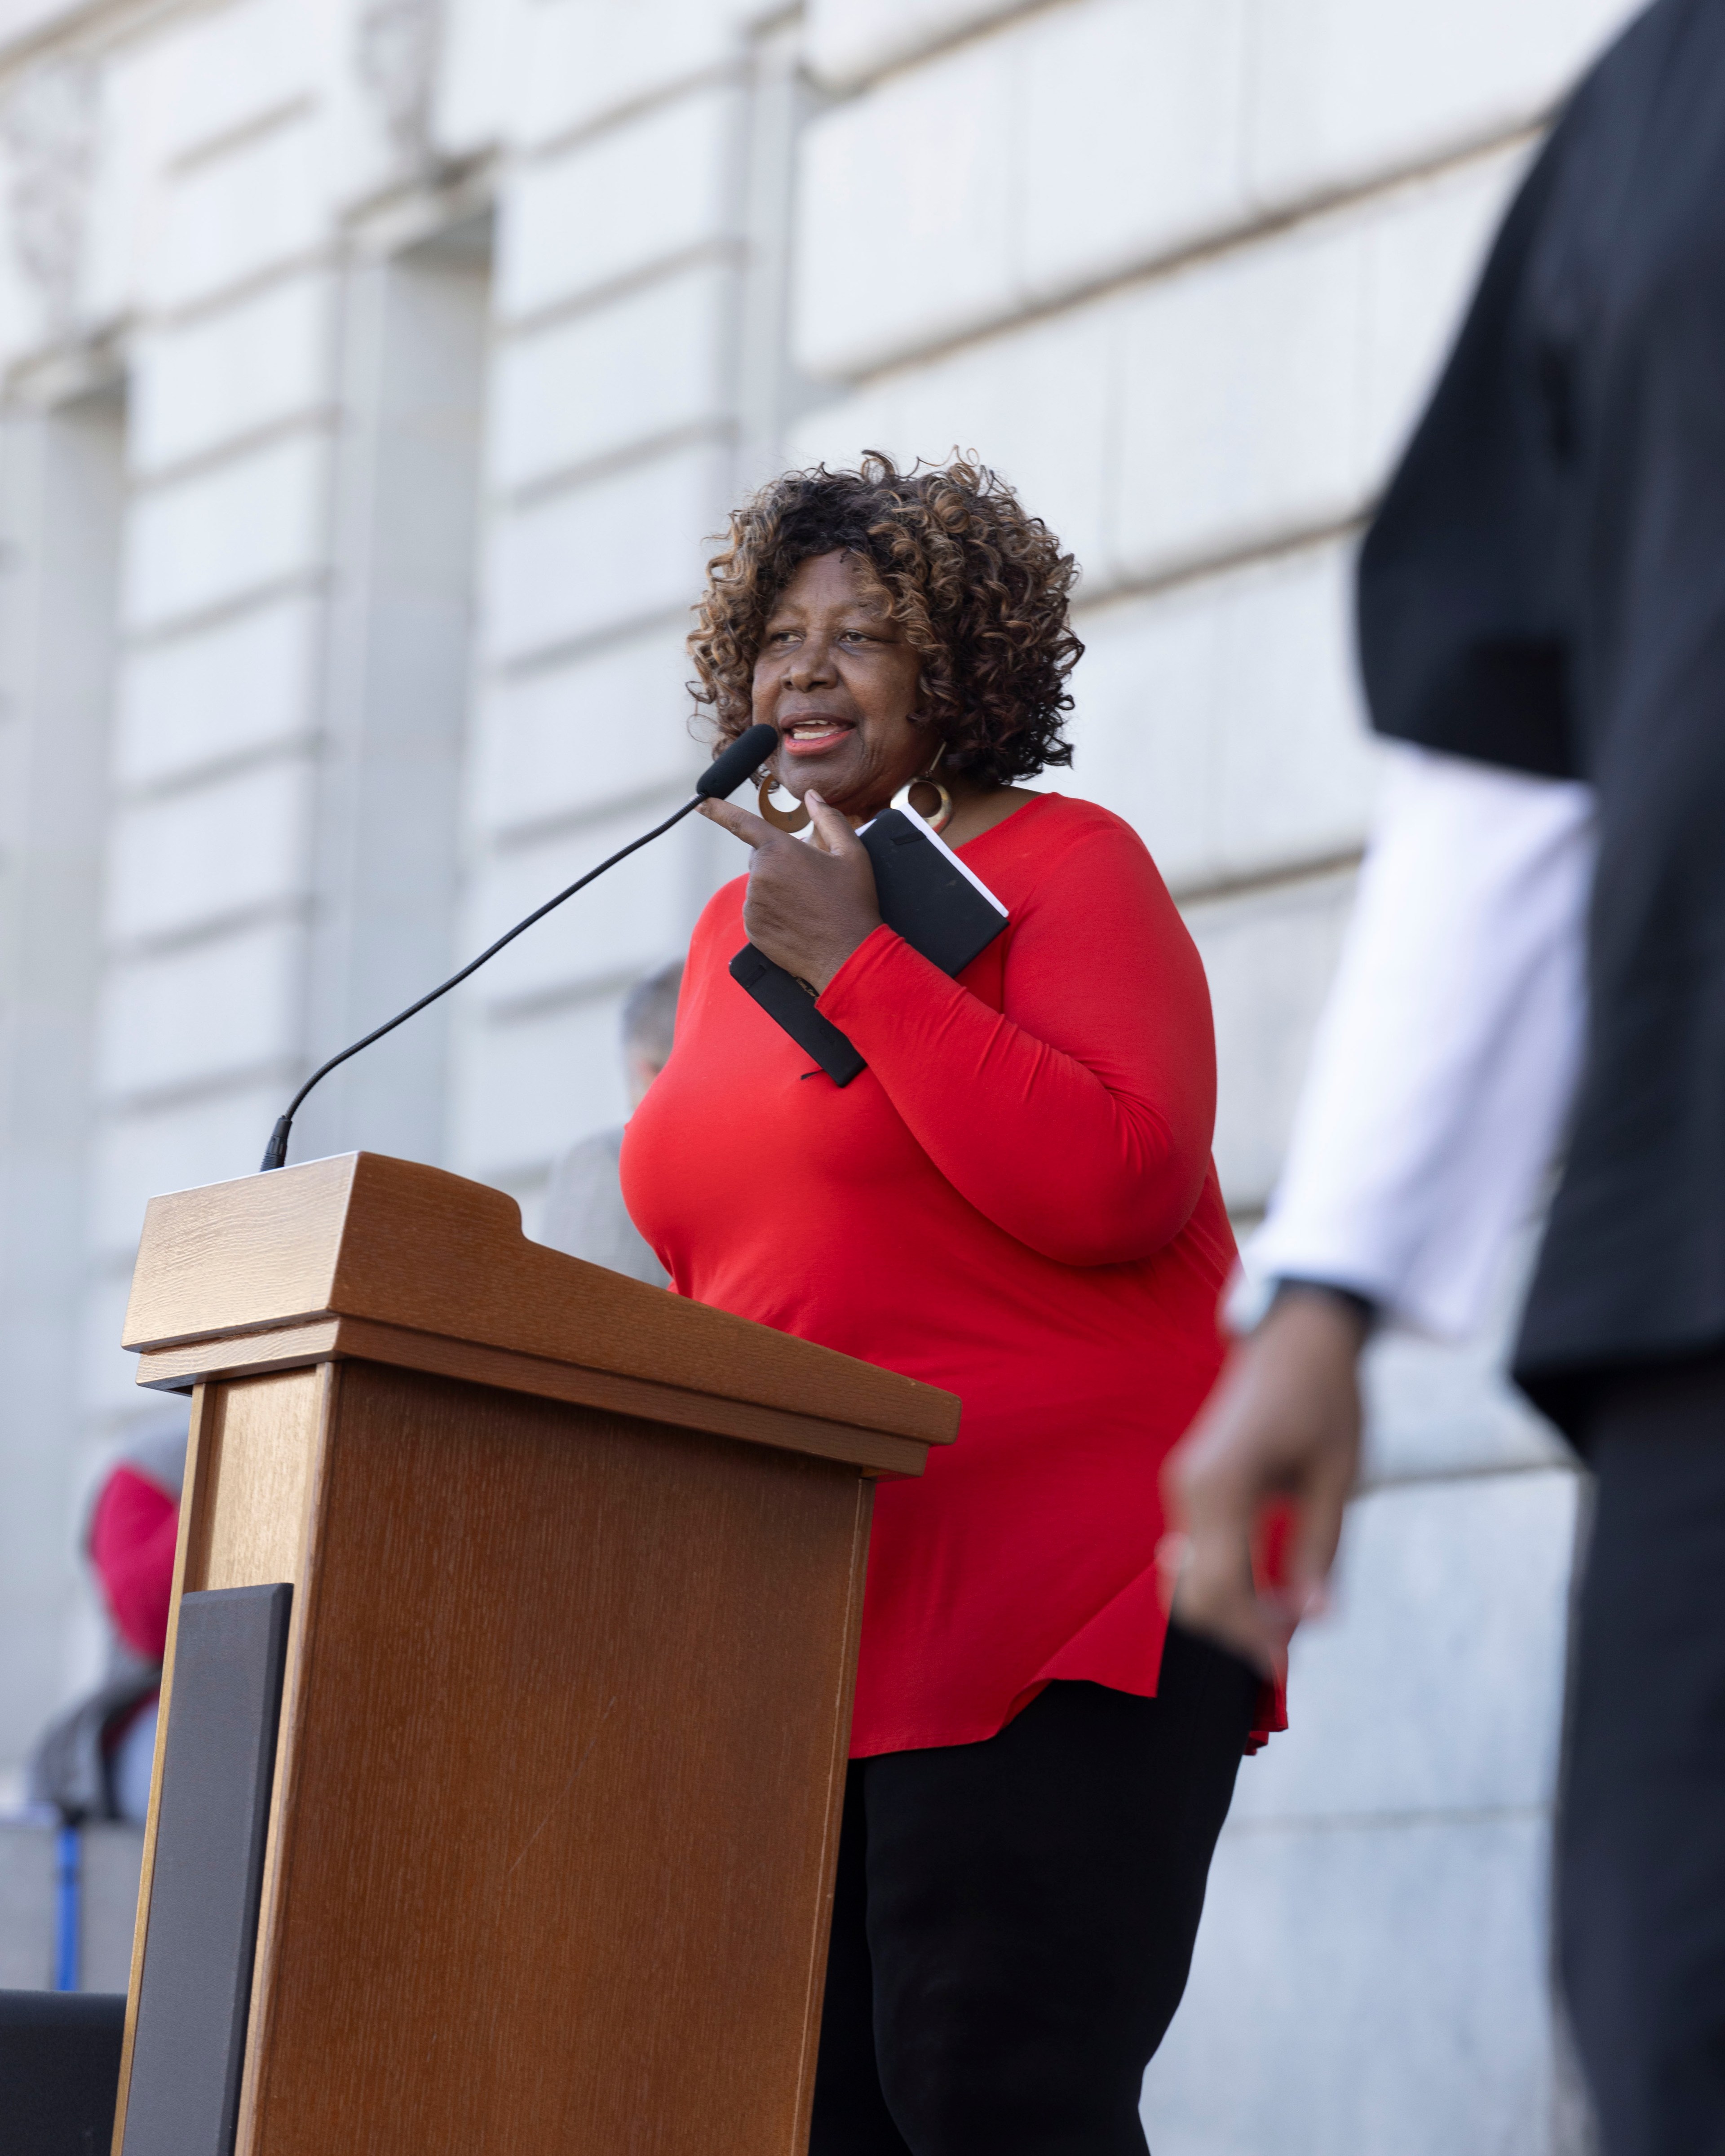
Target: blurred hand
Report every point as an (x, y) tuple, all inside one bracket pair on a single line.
[(808, 906), (1282, 1426)]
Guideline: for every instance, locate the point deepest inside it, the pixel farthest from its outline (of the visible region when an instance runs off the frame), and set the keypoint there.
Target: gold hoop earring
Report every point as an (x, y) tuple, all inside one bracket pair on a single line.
[(781, 819), (943, 814)]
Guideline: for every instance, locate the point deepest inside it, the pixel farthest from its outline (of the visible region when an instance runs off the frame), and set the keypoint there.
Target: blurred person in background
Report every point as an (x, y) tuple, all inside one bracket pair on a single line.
[(1013, 1200), (584, 1211), (1538, 963), (95, 1761)]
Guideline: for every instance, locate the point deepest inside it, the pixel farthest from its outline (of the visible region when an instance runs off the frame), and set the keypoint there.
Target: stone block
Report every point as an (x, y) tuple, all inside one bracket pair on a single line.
[(1242, 395), (1435, 1408), (23, 321), (228, 69), (124, 206), (136, 1156), (1146, 725), (1130, 118), (1221, 718), (228, 847), (366, 114), (583, 59), (1421, 261), (526, 1090), (904, 232), (231, 217), (1345, 89), (1270, 955), (476, 104), (573, 737), (641, 194), (1365, 1988), (1295, 767), (239, 685), (631, 920), (1033, 402), (107, 1376), (209, 1011), (1264, 390), (196, 385), (20, 19), (1130, 134), (1434, 1686), (531, 1193), (612, 551), (205, 541), (845, 43), (647, 365)]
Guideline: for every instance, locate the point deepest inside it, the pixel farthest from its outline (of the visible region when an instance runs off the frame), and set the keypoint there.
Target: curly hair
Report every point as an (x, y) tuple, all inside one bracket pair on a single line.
[(979, 588)]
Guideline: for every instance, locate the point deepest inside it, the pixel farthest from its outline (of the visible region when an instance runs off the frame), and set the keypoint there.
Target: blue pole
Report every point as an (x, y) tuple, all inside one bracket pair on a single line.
[(68, 1852)]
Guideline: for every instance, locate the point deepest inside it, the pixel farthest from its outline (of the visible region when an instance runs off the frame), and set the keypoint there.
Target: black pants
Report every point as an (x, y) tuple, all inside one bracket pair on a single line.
[(1641, 1842), (1014, 1920)]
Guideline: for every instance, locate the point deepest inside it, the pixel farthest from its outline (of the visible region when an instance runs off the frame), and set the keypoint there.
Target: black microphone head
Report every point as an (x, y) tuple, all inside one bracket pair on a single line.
[(728, 770)]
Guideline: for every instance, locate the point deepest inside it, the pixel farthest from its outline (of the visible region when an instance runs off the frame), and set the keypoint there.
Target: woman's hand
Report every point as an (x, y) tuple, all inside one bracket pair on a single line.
[(808, 906)]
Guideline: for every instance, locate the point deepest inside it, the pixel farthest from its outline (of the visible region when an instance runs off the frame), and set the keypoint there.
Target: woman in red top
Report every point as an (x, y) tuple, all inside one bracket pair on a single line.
[(1014, 1201)]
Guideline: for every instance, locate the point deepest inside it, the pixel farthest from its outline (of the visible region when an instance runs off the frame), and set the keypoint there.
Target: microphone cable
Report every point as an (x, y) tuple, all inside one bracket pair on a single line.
[(722, 777)]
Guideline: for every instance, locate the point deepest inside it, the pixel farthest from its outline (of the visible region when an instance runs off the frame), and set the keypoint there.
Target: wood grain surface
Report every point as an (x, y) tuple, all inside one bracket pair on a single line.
[(246, 1509), (340, 1339), (562, 1776), (366, 1237), (578, 1570), (251, 1524), (189, 1501)]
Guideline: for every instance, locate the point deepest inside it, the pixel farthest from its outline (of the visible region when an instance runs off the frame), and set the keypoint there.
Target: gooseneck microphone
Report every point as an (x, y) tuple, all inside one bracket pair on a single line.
[(722, 776)]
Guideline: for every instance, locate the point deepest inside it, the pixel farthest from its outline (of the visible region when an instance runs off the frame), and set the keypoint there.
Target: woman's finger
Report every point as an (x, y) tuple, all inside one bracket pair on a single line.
[(753, 830), (833, 832)]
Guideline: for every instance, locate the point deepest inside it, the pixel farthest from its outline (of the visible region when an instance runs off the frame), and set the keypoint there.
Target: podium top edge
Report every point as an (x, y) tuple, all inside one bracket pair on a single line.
[(363, 1235)]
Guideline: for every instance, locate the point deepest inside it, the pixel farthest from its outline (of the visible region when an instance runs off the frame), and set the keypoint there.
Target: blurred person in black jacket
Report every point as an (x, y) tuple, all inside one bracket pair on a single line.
[(1536, 964)]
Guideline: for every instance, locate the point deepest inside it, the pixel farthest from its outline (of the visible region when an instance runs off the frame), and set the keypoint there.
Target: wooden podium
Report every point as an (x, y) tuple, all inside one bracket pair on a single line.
[(540, 1846)]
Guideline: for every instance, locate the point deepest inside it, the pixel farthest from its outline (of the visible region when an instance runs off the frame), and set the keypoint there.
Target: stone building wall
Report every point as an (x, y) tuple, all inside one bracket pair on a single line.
[(374, 373)]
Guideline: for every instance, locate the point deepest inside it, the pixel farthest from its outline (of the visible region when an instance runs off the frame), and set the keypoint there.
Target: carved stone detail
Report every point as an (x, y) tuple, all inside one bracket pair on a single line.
[(397, 47), (49, 125)]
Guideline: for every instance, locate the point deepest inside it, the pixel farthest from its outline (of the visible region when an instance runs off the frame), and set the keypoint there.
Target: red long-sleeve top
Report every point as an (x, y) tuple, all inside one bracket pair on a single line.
[(1014, 1201)]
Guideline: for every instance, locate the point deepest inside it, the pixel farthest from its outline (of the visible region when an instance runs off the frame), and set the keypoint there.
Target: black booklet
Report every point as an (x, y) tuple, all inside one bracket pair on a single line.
[(926, 895)]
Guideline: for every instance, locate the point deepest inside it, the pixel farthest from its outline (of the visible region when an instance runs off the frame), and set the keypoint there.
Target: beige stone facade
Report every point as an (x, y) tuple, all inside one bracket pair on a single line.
[(374, 371)]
